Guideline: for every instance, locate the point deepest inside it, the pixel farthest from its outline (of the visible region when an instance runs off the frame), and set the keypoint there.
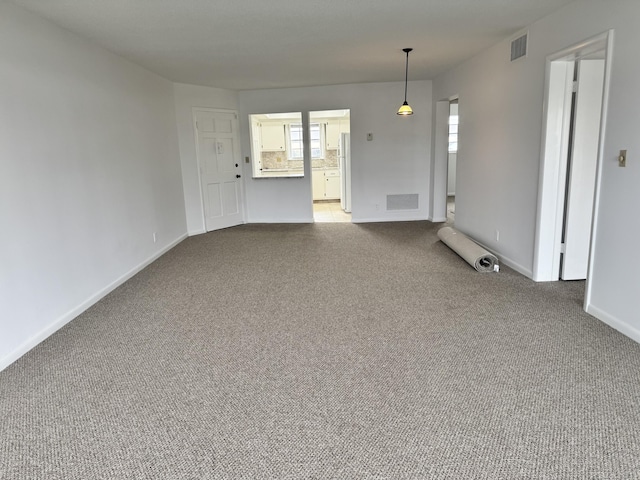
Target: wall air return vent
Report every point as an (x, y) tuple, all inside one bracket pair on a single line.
[(519, 47), (402, 202)]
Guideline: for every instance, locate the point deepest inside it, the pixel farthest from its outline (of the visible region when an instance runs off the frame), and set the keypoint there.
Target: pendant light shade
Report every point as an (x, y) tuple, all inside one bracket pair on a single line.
[(406, 109)]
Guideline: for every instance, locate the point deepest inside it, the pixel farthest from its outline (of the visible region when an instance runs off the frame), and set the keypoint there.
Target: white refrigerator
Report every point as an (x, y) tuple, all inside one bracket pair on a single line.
[(344, 159)]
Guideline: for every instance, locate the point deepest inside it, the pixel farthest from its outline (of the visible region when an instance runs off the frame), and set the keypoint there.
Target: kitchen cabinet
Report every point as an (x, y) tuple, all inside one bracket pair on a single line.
[(317, 184), (325, 184), (332, 184), (272, 137), (332, 133)]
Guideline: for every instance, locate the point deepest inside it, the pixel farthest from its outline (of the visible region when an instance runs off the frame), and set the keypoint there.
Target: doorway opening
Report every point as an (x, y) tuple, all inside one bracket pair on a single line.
[(330, 145), (576, 92), (452, 158), (276, 145)]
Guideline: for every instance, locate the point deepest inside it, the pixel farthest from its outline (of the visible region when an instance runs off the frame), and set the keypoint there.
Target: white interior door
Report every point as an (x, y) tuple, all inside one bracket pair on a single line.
[(582, 169), (220, 167)]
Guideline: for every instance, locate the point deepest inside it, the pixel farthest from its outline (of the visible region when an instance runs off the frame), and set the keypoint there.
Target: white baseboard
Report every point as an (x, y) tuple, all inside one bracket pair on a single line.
[(516, 266), (615, 323), (73, 313), (508, 262), (387, 219), (191, 233), (281, 220), (437, 219)]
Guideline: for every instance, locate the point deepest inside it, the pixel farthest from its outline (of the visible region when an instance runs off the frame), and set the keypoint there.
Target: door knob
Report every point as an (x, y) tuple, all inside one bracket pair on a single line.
[(236, 165), (238, 176)]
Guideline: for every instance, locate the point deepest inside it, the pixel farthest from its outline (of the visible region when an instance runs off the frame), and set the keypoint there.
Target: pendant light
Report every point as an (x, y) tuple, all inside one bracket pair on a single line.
[(406, 109)]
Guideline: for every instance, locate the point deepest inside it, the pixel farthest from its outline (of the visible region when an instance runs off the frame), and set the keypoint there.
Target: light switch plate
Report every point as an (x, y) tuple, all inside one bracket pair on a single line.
[(369, 137)]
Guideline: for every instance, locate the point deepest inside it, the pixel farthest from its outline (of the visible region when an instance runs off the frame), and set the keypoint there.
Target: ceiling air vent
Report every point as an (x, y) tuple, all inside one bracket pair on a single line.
[(519, 47)]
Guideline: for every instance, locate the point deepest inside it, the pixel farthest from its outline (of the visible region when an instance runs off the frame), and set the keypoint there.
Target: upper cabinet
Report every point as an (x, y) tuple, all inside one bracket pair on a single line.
[(273, 137), (334, 127), (332, 135)]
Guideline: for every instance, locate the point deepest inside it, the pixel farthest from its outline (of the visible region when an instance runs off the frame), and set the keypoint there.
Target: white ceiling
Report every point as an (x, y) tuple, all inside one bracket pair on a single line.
[(255, 44)]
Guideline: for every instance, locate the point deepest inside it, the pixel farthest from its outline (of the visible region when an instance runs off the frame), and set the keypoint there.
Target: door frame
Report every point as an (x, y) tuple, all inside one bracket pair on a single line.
[(550, 212), (194, 111), (439, 165), (312, 116)]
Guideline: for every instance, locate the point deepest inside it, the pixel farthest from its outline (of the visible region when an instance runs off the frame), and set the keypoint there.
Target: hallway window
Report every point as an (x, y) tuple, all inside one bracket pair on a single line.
[(453, 133)]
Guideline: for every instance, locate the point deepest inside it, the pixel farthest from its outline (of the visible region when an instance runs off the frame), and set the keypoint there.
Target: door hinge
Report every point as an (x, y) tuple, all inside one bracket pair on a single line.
[(563, 248), (197, 125), (574, 89)]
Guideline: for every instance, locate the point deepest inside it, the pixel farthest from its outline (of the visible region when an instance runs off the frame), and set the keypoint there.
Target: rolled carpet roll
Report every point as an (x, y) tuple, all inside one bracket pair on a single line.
[(471, 252)]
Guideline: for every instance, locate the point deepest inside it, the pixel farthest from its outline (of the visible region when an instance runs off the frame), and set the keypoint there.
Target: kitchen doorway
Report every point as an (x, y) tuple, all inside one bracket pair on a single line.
[(330, 142)]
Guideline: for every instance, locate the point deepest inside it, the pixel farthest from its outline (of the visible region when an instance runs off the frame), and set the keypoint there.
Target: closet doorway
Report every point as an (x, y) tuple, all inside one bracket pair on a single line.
[(575, 105)]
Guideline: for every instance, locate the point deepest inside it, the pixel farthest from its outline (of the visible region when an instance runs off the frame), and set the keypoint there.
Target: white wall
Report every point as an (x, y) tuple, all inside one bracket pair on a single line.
[(499, 151), (89, 170), (395, 162), (187, 97)]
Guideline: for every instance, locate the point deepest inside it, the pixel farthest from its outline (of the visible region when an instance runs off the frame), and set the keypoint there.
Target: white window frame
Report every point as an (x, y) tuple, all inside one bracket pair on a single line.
[(290, 145), (453, 136)]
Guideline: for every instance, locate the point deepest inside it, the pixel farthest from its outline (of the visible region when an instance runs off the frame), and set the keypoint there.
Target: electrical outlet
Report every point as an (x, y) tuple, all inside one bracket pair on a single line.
[(369, 137)]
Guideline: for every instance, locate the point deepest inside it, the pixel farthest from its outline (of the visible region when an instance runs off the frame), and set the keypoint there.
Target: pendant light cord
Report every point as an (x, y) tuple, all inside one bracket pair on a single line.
[(405, 108), (406, 76)]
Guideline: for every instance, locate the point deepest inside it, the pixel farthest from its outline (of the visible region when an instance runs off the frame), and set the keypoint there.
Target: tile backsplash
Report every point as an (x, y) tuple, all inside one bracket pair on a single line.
[(279, 161)]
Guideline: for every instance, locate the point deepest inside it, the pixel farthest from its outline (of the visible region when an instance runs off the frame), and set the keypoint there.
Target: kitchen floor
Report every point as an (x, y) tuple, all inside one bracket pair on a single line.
[(329, 212)]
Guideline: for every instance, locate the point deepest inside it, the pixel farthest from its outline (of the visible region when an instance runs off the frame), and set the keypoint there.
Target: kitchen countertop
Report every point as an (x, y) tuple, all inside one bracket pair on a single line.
[(292, 173)]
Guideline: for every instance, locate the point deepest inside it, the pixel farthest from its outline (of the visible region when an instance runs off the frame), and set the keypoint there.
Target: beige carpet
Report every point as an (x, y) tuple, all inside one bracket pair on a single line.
[(326, 351)]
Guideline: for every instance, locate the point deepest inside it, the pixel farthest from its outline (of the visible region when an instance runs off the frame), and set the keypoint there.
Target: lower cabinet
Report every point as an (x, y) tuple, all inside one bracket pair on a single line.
[(326, 184), (332, 184)]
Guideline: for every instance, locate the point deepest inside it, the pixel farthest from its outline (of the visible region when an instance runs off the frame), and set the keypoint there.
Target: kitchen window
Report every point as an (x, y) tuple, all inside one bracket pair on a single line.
[(296, 145)]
